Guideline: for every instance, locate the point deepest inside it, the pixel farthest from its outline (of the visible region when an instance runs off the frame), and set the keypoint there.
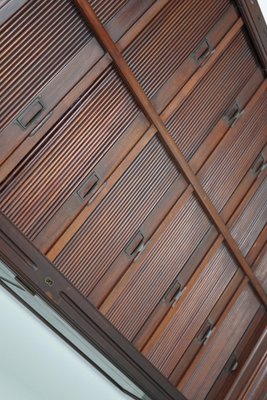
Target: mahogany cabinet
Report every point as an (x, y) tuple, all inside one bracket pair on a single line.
[(133, 191)]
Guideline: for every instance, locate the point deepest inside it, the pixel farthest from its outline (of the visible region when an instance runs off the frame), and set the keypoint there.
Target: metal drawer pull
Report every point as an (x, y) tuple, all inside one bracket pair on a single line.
[(136, 245), (174, 293), (233, 114), (204, 336), (202, 52), (232, 364), (89, 187), (259, 165), (31, 113)]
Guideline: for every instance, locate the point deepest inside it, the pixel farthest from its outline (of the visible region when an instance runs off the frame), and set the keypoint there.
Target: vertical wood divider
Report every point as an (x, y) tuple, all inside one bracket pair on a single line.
[(148, 109)]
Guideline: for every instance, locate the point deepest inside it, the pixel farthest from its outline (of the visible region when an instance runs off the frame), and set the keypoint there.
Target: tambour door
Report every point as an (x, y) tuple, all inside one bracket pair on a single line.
[(133, 157)]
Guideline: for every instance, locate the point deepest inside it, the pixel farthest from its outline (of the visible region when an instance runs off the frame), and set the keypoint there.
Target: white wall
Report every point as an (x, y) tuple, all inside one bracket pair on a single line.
[(35, 364), (263, 5)]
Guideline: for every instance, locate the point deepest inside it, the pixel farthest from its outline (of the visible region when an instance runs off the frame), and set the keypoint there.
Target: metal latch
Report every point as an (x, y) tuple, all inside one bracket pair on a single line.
[(136, 245), (206, 333), (174, 293), (202, 52), (233, 114), (89, 187), (259, 165), (31, 113)]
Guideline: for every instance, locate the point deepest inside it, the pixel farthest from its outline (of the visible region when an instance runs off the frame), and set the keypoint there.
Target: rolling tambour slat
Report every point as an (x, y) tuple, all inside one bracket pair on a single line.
[(260, 268), (49, 240), (227, 165), (244, 358), (251, 382), (109, 228), (50, 67), (105, 9), (158, 270), (124, 14), (212, 357), (97, 188), (26, 66), (219, 306), (53, 228), (49, 176), (142, 100), (169, 39), (256, 387), (182, 323), (252, 220), (141, 239), (120, 291), (192, 122)]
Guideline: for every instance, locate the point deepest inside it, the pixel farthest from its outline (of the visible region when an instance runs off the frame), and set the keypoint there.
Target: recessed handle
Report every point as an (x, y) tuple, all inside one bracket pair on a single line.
[(174, 293), (202, 52), (233, 114), (89, 187), (205, 334), (259, 165), (232, 364), (136, 245), (31, 113)]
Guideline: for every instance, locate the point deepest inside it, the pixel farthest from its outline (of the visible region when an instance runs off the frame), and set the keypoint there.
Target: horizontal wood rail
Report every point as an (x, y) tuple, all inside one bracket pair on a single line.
[(231, 212), (232, 219), (33, 269), (102, 63), (46, 241), (147, 107), (166, 100), (217, 310)]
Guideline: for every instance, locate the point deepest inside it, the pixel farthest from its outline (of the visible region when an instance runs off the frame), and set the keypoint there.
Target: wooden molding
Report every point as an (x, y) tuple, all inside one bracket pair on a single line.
[(256, 25), (148, 109), (32, 268)]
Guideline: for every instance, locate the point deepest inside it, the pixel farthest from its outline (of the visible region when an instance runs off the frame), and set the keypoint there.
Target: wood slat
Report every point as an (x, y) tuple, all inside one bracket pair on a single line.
[(260, 266), (245, 356), (50, 231), (123, 210), (53, 90), (175, 313), (253, 363), (148, 109), (158, 270), (203, 372)]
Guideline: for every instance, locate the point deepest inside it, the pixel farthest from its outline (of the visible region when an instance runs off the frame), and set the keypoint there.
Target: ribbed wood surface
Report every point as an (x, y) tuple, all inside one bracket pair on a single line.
[(212, 357), (193, 309), (194, 120), (91, 179), (252, 220), (159, 269), (235, 155), (107, 9), (256, 386), (126, 206), (48, 176), (173, 34), (56, 34), (261, 270)]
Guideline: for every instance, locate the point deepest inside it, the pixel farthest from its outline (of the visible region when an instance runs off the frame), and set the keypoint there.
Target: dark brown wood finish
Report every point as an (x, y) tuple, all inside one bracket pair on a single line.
[(33, 269), (257, 27), (62, 217), (142, 100), (235, 371), (133, 150)]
